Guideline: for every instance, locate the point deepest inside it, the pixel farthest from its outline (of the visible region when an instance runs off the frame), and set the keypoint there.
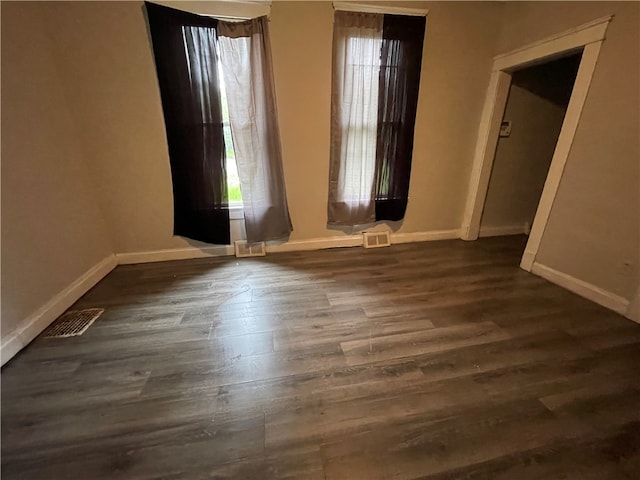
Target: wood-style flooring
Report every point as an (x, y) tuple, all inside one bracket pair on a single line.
[(439, 360)]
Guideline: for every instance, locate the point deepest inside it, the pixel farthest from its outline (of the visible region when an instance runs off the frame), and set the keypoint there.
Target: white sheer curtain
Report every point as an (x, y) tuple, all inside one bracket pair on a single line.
[(357, 44), (245, 54)]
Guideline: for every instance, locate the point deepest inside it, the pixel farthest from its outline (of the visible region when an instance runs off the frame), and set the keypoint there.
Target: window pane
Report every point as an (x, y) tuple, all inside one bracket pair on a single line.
[(359, 117), (233, 180)]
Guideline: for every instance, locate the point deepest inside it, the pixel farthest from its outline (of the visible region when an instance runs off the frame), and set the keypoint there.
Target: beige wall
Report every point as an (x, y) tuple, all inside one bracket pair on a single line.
[(593, 232), (52, 227), (449, 105), (105, 53), (82, 121), (522, 159)]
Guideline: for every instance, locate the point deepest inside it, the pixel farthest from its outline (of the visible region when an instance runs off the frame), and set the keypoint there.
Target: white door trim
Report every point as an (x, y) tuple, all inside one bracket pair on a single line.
[(561, 153), (492, 114), (589, 36), (572, 39)]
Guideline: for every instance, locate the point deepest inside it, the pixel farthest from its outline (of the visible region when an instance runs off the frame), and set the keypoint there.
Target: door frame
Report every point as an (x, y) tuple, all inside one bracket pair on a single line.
[(589, 38)]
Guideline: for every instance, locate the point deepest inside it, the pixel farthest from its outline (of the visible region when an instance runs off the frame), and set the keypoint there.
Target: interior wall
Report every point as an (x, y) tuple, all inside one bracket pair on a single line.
[(449, 106), (53, 230), (593, 232), (536, 106), (104, 50), (522, 160)]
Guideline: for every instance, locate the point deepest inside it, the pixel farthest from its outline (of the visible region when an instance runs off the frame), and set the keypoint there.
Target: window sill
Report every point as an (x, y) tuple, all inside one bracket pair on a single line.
[(236, 212)]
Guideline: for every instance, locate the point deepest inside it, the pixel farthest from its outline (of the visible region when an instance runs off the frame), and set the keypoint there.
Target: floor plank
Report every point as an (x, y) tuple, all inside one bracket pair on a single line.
[(438, 360)]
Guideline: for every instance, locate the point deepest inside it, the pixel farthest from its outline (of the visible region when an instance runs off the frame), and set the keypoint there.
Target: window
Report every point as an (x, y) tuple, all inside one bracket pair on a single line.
[(376, 74), (202, 49), (358, 120), (216, 87)]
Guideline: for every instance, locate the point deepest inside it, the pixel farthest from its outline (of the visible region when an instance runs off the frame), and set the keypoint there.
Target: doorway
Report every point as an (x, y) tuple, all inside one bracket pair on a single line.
[(535, 110), (589, 38)]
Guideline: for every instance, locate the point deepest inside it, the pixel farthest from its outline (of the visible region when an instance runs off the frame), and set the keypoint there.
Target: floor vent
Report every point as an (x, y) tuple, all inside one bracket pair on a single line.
[(73, 323), (244, 249), (376, 239)]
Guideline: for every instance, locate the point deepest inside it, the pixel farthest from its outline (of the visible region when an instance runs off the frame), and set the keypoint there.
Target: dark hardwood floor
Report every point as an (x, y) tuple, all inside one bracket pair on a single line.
[(440, 360)]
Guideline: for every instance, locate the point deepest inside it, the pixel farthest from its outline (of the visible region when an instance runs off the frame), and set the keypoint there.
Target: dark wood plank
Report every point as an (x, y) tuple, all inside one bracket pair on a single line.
[(440, 360)]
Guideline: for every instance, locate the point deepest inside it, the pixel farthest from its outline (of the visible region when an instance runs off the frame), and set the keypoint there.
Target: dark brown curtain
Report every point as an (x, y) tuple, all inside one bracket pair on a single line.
[(185, 57), (401, 59)]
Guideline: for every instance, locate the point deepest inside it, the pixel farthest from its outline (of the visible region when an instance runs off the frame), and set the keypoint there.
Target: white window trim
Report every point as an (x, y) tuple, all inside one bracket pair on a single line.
[(359, 7), (236, 211), (224, 9)]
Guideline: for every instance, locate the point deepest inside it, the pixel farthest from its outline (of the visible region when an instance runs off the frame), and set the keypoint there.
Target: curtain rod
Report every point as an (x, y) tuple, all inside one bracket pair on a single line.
[(359, 7)]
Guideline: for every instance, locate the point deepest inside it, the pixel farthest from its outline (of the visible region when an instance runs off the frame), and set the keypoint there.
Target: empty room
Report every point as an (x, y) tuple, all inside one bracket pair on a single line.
[(320, 240)]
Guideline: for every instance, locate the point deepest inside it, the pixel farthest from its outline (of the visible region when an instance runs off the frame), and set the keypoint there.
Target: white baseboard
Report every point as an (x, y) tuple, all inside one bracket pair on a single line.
[(425, 236), (503, 230), (33, 325), (633, 312), (173, 254), (316, 244), (291, 246), (356, 240), (587, 290)]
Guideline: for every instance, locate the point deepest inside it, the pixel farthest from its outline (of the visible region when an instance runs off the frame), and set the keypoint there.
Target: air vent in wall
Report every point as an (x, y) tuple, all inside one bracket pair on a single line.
[(244, 249), (376, 239)]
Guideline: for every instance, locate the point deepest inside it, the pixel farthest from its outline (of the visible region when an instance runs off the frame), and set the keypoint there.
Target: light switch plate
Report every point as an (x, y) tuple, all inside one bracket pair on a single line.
[(505, 128)]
